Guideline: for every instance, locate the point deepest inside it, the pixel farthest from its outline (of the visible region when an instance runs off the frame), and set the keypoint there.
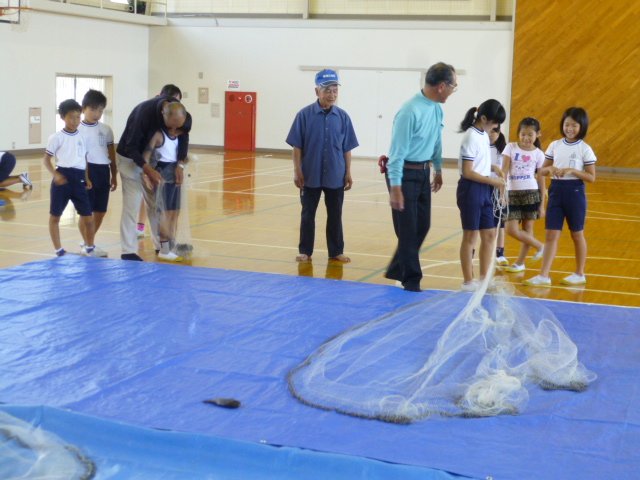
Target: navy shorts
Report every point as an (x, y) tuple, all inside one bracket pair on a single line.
[(75, 190), (475, 204), (100, 176), (7, 164), (169, 192), (567, 199)]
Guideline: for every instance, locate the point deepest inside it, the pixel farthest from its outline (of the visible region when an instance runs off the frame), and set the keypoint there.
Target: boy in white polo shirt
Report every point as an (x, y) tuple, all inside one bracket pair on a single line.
[(70, 180), (101, 157)]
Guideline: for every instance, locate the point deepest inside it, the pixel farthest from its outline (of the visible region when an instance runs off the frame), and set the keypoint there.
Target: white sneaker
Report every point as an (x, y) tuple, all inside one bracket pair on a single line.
[(538, 281), (515, 268), (99, 252), (85, 251), (538, 255), (169, 257), (574, 279), (471, 286), (502, 261), (26, 181)]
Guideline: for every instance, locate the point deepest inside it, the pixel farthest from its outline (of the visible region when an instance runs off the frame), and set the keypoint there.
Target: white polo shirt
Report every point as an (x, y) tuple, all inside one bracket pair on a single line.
[(476, 148), (570, 155), (68, 149), (97, 138)]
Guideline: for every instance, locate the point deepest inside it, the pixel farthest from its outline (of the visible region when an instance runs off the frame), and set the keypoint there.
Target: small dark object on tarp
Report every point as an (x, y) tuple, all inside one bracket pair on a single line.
[(223, 402)]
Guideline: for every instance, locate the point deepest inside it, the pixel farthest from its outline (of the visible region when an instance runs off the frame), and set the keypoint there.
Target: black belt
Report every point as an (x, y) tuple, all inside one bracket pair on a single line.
[(416, 165)]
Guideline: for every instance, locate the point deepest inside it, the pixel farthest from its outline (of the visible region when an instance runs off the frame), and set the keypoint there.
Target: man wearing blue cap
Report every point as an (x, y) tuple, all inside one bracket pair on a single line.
[(322, 138)]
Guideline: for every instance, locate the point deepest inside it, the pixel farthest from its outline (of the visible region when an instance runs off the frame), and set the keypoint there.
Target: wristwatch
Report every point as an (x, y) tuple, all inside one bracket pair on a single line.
[(181, 165)]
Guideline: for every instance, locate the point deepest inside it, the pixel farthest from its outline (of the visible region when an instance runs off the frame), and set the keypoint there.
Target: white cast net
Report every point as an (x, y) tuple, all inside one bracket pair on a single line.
[(27, 452), (455, 354), (170, 206)]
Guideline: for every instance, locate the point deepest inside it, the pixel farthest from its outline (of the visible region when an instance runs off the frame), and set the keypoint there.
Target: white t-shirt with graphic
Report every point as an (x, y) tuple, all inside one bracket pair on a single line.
[(523, 166), (570, 155)]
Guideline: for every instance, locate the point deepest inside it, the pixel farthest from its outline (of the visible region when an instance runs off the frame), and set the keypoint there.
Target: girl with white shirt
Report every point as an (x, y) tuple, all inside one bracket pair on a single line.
[(522, 160), (474, 192), (570, 162)]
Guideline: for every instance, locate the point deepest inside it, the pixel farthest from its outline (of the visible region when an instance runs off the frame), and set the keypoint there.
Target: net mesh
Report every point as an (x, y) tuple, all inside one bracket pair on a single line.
[(455, 354), (29, 452), (168, 210)]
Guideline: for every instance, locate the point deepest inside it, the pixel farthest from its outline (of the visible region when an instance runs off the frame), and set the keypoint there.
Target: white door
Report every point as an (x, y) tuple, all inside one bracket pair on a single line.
[(372, 98)]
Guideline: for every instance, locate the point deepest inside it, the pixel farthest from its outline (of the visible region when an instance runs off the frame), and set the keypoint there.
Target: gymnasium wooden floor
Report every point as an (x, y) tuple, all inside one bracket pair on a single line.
[(244, 215)]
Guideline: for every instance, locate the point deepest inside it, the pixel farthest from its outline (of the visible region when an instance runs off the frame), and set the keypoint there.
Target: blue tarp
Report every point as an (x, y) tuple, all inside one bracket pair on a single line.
[(121, 451), (145, 344)]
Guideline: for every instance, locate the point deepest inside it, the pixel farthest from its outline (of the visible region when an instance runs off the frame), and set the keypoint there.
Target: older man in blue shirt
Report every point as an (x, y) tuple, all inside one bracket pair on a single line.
[(322, 138), (416, 143)]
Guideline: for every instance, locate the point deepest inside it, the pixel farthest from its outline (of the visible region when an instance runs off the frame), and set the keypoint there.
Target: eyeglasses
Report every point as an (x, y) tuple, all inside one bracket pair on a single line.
[(454, 86)]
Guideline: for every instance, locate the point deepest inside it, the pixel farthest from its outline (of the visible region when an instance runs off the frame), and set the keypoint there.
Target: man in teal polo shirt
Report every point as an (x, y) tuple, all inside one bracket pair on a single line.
[(416, 143), (322, 138)]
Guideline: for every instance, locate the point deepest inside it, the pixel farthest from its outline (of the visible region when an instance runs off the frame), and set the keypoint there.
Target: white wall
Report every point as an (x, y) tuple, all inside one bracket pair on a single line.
[(266, 56), (31, 54)]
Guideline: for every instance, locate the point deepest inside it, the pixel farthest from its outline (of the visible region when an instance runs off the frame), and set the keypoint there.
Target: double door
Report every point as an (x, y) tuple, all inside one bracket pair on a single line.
[(372, 98)]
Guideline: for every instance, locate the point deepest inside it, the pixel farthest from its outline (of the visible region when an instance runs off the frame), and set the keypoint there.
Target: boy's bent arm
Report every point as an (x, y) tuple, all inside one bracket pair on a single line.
[(47, 163), (58, 178)]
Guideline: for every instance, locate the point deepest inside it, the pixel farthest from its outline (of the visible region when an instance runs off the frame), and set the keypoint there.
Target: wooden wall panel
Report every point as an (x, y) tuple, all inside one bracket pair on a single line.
[(580, 53)]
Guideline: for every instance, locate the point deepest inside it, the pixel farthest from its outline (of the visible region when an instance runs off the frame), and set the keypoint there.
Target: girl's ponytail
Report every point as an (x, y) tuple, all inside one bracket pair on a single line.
[(468, 120), (492, 110)]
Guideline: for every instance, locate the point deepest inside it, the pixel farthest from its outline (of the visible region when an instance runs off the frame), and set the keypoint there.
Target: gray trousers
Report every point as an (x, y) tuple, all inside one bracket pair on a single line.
[(133, 191)]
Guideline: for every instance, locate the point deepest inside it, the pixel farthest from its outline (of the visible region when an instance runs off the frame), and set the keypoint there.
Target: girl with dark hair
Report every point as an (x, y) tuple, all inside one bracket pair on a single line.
[(474, 193), (522, 160), (497, 143), (570, 162)]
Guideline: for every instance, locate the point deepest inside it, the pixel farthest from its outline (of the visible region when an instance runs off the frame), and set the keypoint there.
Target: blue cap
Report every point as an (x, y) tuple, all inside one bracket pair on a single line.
[(326, 77)]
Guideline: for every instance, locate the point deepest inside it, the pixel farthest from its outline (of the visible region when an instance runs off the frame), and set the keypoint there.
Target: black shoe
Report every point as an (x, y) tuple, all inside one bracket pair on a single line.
[(412, 288), (131, 256)]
